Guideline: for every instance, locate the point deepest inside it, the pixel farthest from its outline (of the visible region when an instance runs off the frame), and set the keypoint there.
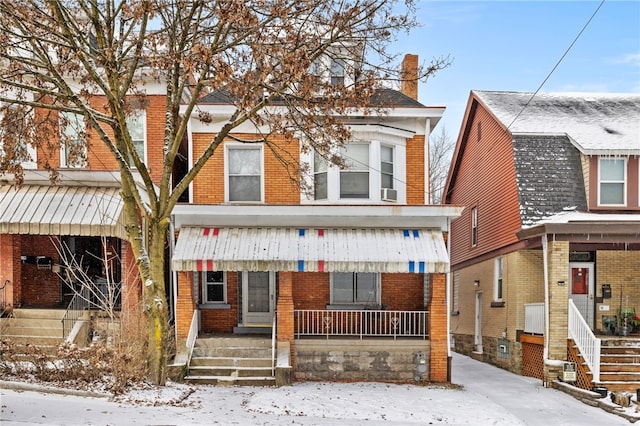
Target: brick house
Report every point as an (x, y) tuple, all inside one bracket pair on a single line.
[(549, 235), (352, 276), (82, 212)]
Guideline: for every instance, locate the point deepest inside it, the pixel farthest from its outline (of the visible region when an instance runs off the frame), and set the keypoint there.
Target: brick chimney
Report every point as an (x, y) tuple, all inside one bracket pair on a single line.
[(409, 76)]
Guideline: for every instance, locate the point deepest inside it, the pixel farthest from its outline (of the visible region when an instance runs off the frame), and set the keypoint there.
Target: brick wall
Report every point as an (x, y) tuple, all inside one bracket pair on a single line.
[(11, 269), (558, 261), (621, 269), (415, 169), (221, 320), (185, 304), (40, 287)]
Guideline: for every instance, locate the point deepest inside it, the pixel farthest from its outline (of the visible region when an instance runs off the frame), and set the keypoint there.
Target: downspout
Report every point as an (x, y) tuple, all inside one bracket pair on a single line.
[(448, 289), (545, 265), (174, 275)]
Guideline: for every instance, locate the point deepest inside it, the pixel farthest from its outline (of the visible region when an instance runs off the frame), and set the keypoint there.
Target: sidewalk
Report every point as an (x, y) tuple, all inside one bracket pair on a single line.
[(527, 399)]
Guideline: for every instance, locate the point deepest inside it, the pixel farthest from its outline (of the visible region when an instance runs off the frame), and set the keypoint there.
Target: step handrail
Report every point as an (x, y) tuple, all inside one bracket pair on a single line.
[(3, 292), (273, 345), (76, 307), (588, 344)]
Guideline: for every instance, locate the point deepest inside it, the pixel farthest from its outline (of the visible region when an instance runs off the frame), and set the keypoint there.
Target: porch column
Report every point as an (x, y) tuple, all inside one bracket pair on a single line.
[(437, 324), (558, 273), (284, 308), (11, 269), (185, 304)]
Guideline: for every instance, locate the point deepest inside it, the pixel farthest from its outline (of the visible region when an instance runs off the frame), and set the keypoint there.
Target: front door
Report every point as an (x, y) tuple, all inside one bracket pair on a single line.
[(582, 288), (258, 298)]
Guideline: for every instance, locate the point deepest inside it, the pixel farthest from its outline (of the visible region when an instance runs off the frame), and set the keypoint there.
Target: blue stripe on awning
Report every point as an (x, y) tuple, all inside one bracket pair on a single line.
[(301, 232), (416, 234), (300, 265), (405, 232), (412, 266)]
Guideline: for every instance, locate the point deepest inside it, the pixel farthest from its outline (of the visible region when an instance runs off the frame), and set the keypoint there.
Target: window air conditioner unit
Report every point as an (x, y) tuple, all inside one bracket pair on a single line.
[(388, 194)]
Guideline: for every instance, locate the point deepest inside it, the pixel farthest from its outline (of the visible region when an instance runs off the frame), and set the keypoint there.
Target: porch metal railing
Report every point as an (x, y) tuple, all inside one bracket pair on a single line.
[(365, 323), (534, 318), (585, 340), (3, 298), (273, 344), (79, 303)]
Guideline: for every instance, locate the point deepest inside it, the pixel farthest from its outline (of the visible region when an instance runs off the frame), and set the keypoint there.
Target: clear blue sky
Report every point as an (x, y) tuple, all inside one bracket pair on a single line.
[(514, 45)]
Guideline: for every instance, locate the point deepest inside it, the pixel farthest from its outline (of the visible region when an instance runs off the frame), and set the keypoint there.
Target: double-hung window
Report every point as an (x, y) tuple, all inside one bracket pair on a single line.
[(136, 123), (244, 173), (497, 293), (386, 166), (319, 177), (355, 288), (214, 287), (337, 72), (73, 147), (612, 174), (474, 226), (354, 180)]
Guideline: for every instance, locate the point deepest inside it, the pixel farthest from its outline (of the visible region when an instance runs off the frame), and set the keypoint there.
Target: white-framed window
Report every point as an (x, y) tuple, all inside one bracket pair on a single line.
[(319, 177), (73, 134), (137, 125), (354, 179), (455, 293), (356, 288), (386, 166), (214, 287), (244, 173), (612, 182), (474, 226), (497, 288), (337, 71), (14, 133)]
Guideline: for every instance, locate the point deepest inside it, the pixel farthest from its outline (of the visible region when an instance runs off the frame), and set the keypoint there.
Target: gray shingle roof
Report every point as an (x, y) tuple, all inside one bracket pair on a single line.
[(548, 177), (596, 123)]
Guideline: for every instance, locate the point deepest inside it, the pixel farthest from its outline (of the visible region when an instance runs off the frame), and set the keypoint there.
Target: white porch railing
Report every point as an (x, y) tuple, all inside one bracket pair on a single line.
[(273, 344), (534, 318), (193, 334), (586, 341), (361, 323)]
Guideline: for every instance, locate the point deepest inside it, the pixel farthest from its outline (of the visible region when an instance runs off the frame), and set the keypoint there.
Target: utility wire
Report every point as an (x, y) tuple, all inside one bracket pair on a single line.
[(557, 64)]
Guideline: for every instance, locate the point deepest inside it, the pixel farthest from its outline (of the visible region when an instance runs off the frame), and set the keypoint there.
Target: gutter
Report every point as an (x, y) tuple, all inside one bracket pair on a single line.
[(545, 263)]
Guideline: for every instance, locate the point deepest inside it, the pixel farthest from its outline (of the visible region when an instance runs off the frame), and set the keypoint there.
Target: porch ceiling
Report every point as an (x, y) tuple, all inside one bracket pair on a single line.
[(310, 250), (61, 210)]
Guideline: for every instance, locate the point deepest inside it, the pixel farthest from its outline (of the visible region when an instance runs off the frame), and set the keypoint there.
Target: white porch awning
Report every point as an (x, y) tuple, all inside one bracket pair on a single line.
[(310, 250), (61, 210)]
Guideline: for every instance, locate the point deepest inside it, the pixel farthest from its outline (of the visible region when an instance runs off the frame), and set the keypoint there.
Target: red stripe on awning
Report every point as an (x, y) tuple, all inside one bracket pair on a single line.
[(320, 265)]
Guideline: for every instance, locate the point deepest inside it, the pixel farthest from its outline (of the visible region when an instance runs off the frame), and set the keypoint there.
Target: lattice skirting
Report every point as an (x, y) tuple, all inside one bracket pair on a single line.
[(532, 360), (584, 378)]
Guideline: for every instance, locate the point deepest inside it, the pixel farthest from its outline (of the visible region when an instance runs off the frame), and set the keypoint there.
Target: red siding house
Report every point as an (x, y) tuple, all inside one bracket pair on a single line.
[(548, 244)]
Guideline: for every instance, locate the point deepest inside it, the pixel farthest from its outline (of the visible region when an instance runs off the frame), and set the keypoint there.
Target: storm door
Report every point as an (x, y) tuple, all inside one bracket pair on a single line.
[(258, 298), (581, 289)]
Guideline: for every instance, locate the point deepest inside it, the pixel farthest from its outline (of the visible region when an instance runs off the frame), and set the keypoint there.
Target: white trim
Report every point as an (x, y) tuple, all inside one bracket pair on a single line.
[(498, 274), (204, 283)]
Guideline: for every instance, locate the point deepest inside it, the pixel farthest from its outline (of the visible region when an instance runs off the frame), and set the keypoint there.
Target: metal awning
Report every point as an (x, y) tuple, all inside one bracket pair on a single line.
[(310, 250), (61, 210)]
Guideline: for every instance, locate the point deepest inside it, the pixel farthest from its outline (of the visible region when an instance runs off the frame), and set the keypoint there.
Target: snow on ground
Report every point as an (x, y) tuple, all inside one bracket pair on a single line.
[(486, 395)]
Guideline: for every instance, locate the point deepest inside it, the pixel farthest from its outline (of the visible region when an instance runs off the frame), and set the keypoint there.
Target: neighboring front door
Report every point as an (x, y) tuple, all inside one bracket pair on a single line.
[(582, 288), (258, 298), (477, 341)]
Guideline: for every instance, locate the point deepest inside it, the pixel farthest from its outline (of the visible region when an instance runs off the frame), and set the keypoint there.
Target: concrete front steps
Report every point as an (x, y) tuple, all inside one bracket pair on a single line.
[(620, 364), (232, 361), (39, 327)]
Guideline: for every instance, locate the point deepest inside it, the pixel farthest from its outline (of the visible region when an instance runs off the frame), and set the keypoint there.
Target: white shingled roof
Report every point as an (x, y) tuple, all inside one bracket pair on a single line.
[(596, 123)]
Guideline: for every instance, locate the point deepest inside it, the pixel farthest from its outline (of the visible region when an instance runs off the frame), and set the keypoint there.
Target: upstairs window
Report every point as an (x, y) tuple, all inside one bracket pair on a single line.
[(337, 72), (136, 123), (14, 135), (474, 227), (386, 166), (73, 147), (354, 180), (612, 174), (244, 173), (355, 288), (319, 177)]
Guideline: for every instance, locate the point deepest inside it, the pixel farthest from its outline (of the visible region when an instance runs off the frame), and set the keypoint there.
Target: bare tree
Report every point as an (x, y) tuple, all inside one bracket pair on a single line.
[(97, 60), (441, 148)]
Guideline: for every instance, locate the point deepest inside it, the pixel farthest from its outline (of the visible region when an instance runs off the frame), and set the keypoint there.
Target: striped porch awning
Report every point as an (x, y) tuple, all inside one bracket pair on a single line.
[(61, 210), (310, 250)]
